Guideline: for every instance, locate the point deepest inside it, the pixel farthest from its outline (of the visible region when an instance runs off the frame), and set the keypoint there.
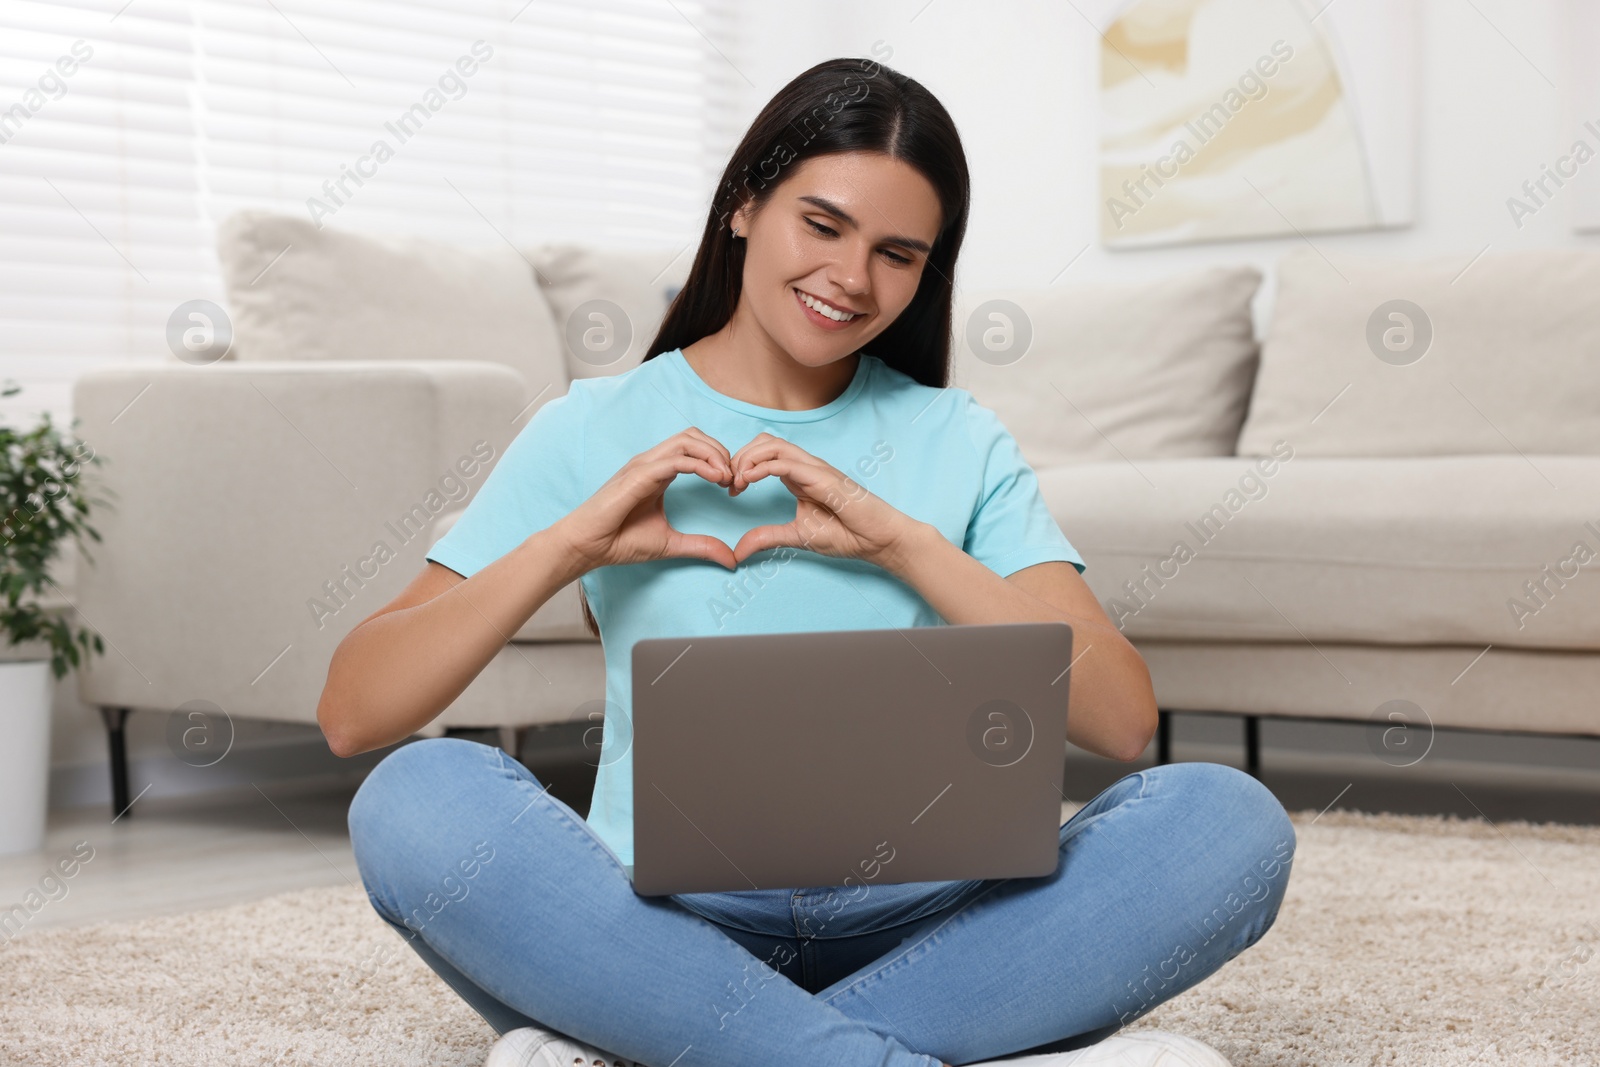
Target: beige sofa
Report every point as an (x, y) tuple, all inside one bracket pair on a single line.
[(1420, 557), (1317, 528)]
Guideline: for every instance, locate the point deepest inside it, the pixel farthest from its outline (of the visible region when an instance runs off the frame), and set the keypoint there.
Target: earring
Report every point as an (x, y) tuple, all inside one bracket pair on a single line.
[(736, 231)]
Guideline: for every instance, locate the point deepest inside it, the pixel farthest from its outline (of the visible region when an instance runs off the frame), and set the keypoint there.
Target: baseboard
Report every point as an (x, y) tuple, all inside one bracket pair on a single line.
[(295, 761), (1442, 770), (290, 761)]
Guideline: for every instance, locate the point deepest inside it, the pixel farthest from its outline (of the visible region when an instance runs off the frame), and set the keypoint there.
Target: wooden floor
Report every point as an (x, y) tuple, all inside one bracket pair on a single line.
[(169, 855)]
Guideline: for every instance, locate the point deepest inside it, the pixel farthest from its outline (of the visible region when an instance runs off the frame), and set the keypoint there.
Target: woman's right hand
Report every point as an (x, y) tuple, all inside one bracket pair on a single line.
[(625, 521)]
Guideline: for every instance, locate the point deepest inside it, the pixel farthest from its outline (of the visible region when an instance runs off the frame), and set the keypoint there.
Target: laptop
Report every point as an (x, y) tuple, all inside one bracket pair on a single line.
[(848, 757)]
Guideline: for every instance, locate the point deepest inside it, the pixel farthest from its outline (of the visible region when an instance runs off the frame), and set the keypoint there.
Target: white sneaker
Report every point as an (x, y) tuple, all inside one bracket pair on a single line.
[(1138, 1048), (531, 1046)]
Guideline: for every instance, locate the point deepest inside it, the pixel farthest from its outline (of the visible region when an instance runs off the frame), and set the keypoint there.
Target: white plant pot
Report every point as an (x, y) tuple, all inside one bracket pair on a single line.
[(24, 754)]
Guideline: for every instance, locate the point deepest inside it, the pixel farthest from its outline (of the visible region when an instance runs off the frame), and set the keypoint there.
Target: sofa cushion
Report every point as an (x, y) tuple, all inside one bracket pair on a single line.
[(340, 295), (1455, 550), (1502, 355), (1113, 370), (579, 281)]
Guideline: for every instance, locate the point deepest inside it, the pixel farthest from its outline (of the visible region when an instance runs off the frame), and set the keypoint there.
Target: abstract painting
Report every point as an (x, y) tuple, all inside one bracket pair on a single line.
[(1228, 119)]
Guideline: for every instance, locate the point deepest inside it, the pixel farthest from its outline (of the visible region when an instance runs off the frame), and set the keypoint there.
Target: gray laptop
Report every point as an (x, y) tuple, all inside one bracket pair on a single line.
[(848, 757)]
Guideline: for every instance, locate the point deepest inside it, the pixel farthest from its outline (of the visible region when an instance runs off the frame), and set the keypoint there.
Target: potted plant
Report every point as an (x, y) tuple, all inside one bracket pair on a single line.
[(44, 503)]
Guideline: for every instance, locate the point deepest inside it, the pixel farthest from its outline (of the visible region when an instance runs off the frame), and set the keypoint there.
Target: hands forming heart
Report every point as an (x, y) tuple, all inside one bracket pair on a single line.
[(625, 520)]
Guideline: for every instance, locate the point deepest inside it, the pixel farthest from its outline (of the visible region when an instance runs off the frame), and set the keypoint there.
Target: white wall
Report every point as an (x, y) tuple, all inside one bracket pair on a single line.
[(1020, 79)]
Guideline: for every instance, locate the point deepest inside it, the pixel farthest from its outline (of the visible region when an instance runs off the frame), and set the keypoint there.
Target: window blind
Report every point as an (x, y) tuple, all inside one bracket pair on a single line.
[(128, 130)]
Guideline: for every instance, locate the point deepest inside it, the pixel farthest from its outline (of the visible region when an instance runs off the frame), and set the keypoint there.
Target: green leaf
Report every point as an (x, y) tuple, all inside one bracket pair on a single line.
[(42, 508)]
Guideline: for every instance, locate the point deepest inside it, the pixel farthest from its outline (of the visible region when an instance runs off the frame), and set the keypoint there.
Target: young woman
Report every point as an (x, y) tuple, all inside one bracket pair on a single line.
[(762, 471)]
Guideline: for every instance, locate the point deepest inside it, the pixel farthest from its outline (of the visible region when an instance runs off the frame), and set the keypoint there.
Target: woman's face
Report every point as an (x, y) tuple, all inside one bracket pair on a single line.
[(849, 229)]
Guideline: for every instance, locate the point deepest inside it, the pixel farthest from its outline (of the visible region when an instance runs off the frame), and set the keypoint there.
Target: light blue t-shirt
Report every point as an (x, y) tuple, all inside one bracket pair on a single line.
[(935, 454)]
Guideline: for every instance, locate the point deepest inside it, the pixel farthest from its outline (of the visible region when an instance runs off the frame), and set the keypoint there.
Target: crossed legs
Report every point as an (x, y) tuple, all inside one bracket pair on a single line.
[(511, 898)]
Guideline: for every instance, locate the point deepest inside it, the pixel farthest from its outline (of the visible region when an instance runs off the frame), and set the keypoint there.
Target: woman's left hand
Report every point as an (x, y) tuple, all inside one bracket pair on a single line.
[(834, 514)]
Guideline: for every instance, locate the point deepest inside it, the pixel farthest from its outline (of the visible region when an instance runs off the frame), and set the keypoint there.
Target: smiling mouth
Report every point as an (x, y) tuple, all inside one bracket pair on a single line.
[(825, 310)]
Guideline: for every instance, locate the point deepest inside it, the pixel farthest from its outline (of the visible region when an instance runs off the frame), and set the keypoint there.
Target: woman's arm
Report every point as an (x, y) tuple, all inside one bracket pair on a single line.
[(400, 667), (404, 664), (1111, 704)]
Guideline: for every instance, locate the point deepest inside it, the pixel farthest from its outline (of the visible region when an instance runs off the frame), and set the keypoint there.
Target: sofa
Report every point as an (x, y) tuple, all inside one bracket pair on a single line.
[(1336, 519), (1381, 513)]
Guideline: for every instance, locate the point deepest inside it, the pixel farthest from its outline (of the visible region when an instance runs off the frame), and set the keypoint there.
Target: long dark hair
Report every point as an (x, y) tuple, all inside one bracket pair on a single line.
[(839, 105)]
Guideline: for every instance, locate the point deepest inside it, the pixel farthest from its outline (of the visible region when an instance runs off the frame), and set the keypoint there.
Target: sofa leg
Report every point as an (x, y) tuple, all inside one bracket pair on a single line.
[(1252, 745), (117, 747), (1163, 737)]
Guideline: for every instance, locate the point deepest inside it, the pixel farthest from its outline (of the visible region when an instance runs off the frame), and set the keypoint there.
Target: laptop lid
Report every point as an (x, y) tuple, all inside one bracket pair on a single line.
[(845, 757)]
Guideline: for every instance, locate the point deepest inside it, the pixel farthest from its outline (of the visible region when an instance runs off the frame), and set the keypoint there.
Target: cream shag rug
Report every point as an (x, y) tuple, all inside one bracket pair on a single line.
[(1422, 942)]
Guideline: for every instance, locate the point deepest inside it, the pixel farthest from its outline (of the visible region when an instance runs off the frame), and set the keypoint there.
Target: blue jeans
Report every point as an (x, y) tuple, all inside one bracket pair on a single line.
[(505, 892)]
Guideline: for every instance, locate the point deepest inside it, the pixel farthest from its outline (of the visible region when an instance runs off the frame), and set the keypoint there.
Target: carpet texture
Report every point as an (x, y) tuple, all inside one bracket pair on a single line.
[(1423, 942)]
